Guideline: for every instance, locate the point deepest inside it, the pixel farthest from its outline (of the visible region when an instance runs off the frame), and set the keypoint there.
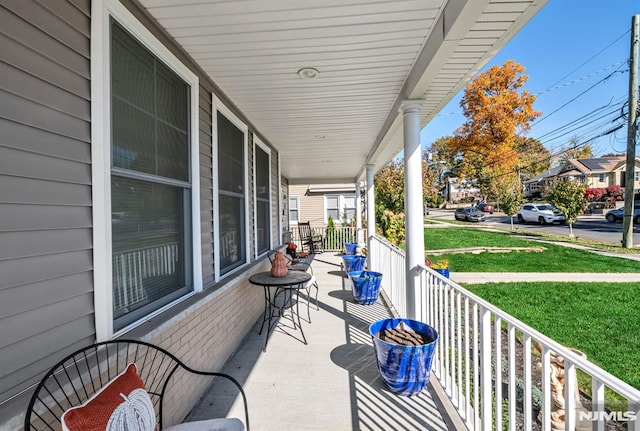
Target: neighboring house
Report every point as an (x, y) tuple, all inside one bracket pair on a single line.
[(146, 151), (600, 172), (316, 202), (456, 190), (536, 184)]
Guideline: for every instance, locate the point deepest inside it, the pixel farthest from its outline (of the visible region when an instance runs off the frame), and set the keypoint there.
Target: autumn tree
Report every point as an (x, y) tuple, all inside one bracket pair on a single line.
[(568, 197), (389, 195), (575, 150), (498, 111), (510, 202), (534, 157)]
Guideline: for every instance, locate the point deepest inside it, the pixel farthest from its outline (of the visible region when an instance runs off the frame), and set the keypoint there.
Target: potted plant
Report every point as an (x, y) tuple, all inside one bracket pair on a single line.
[(291, 249), (441, 266), (404, 350)]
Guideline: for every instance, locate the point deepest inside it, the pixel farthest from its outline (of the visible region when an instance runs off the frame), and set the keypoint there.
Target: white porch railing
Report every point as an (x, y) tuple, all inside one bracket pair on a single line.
[(476, 340), (334, 238)]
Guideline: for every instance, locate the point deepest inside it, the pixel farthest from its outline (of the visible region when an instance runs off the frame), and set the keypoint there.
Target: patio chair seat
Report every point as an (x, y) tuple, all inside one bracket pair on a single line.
[(221, 424)]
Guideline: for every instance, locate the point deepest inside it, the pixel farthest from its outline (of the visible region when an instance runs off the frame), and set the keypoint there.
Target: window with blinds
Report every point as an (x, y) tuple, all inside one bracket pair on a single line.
[(150, 181), (263, 214), (231, 195)]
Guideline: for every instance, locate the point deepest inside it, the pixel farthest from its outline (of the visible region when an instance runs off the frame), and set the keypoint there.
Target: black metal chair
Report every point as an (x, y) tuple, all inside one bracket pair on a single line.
[(82, 374), (312, 240), (301, 264)]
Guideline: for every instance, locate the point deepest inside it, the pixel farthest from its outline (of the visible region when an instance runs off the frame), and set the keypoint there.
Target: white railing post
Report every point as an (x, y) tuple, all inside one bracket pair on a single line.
[(371, 210)]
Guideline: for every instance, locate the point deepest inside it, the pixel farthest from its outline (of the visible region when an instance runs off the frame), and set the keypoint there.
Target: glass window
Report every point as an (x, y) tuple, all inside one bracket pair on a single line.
[(349, 208), (150, 181), (601, 178), (263, 217), (231, 195), (636, 176), (333, 208), (294, 211)]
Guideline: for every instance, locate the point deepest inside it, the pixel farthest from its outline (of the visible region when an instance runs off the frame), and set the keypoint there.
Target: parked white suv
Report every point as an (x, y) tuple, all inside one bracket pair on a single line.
[(540, 213)]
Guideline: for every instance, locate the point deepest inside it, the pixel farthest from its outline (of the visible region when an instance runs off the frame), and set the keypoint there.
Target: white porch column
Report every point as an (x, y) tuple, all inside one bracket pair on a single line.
[(359, 238), (371, 213), (413, 205)]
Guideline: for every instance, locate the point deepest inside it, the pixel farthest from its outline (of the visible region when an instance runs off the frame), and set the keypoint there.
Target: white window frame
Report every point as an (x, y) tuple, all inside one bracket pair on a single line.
[(101, 12), (297, 198), (602, 178), (257, 143), (341, 206), (218, 106)]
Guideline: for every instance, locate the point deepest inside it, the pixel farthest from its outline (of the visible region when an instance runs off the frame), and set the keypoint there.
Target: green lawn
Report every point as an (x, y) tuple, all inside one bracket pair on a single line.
[(599, 319), (555, 258)]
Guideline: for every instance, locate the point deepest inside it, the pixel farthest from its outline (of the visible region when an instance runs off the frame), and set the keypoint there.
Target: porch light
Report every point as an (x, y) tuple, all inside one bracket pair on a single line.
[(308, 73)]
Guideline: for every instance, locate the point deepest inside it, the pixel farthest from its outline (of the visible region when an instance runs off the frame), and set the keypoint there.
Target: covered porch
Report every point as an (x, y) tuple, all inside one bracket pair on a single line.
[(330, 384)]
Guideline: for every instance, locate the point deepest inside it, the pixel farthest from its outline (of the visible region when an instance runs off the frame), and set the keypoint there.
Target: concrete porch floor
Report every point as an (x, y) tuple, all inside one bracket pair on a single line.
[(330, 384)]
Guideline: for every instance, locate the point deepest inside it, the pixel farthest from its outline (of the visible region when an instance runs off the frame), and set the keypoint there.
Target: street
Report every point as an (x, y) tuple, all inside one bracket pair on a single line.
[(593, 227)]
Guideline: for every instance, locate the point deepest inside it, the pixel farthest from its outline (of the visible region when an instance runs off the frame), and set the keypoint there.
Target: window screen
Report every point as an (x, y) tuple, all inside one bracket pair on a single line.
[(150, 181)]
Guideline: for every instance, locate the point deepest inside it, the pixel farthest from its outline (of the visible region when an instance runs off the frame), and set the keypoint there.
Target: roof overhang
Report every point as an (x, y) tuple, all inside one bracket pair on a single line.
[(370, 55)]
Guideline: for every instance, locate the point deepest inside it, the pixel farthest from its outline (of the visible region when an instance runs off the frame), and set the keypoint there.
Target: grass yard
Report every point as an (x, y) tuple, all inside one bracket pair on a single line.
[(555, 258), (599, 319)]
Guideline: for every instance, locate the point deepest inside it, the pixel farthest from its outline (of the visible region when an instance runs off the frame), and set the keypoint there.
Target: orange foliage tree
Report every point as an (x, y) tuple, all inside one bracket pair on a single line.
[(498, 112)]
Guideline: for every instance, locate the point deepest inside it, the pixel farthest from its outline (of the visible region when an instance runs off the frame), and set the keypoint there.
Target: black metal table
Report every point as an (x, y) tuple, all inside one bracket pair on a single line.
[(286, 286)]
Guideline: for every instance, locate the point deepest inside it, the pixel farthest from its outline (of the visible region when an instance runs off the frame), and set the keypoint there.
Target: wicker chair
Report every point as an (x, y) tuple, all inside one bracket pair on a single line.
[(79, 376)]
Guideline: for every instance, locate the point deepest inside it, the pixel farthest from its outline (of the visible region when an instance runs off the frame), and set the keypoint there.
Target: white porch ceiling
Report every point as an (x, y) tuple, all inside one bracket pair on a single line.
[(371, 55)]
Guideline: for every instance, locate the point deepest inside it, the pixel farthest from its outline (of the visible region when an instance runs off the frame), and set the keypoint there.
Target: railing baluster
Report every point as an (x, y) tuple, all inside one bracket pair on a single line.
[(512, 378), (569, 395), (528, 405), (476, 368), (485, 369), (597, 402), (445, 335), (460, 352), (498, 371), (546, 389), (452, 348), (467, 361)]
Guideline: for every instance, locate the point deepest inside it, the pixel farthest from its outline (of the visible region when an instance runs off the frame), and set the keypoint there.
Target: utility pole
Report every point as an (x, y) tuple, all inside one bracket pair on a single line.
[(629, 189)]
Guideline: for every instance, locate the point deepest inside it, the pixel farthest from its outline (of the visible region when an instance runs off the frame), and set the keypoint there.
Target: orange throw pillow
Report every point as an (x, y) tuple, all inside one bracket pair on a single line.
[(123, 404)]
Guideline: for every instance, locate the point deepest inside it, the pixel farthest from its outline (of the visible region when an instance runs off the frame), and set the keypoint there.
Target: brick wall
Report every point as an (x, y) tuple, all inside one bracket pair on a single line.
[(205, 336)]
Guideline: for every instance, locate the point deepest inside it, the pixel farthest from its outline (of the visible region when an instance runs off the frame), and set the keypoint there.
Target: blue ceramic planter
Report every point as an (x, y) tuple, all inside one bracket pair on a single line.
[(444, 271), (353, 263), (404, 369), (350, 247), (365, 286)]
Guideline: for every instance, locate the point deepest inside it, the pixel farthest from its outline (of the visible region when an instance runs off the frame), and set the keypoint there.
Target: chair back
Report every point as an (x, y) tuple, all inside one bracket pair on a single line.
[(82, 374), (304, 230)]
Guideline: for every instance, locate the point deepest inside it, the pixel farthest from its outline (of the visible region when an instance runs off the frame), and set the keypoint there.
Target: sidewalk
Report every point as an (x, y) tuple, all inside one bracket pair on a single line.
[(513, 277)]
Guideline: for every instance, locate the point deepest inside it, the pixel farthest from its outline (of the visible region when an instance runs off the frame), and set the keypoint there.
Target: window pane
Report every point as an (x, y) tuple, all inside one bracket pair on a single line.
[(334, 214), (293, 203), (293, 215), (230, 156), (232, 252), (262, 213), (349, 201), (262, 200), (332, 202), (148, 225), (262, 174), (150, 111)]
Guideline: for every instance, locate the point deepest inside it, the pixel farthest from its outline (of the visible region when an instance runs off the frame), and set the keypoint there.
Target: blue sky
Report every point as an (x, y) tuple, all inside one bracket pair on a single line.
[(572, 49)]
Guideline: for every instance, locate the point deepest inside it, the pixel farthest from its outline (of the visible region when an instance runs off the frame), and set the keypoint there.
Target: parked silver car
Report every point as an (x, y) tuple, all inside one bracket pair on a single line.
[(469, 214), (540, 213), (618, 214)]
